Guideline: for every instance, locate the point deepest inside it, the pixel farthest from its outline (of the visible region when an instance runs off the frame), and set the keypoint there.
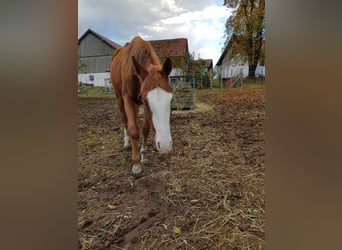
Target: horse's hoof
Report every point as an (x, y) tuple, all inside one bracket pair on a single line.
[(137, 170)]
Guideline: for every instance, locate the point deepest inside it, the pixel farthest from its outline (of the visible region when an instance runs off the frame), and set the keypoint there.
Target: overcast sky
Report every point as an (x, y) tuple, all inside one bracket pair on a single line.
[(200, 21)]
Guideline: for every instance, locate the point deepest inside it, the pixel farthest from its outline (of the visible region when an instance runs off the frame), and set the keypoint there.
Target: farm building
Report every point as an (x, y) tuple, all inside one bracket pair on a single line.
[(208, 66), (95, 56), (201, 71), (178, 51), (204, 72), (231, 67), (181, 76)]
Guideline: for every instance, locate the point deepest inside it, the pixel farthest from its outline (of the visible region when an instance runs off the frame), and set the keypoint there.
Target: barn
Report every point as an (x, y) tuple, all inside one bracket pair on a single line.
[(178, 51), (208, 66), (94, 58), (231, 67), (184, 66)]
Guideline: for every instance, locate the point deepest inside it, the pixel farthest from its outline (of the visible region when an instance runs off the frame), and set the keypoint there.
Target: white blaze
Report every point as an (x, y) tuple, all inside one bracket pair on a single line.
[(126, 139), (160, 105)]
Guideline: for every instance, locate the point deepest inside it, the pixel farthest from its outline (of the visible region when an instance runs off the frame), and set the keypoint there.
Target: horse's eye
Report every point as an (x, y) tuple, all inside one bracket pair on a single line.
[(145, 102)]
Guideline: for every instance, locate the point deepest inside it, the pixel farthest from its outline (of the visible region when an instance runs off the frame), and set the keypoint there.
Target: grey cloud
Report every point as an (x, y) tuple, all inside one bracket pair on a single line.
[(130, 16), (120, 20)]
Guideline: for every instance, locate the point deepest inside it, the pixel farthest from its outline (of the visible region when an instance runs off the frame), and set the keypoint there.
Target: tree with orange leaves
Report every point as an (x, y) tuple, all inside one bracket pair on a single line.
[(247, 25)]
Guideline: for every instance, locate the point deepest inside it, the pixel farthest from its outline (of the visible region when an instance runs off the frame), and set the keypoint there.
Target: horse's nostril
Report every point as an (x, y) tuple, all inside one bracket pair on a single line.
[(164, 145)]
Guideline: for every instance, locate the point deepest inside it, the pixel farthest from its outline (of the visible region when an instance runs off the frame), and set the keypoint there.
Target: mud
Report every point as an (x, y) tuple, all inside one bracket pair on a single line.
[(208, 193)]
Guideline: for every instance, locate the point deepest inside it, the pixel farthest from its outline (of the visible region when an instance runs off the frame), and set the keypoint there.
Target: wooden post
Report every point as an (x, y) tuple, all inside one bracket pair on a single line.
[(221, 76), (241, 77)]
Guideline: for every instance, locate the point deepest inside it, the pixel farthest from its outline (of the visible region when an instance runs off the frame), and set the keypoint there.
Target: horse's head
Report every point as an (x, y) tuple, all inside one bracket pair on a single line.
[(156, 95)]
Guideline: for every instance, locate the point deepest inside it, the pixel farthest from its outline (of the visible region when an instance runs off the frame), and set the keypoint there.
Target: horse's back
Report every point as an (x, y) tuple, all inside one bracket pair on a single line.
[(122, 69)]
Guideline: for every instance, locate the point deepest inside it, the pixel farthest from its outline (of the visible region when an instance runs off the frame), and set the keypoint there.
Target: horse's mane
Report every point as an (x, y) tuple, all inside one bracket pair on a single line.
[(142, 51), (145, 55)]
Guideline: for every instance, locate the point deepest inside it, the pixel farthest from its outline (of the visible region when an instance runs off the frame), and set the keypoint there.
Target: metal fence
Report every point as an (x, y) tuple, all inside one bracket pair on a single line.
[(184, 88)]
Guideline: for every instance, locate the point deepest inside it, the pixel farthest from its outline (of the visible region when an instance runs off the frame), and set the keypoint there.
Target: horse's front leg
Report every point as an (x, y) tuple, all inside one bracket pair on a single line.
[(145, 132), (133, 132), (120, 104)]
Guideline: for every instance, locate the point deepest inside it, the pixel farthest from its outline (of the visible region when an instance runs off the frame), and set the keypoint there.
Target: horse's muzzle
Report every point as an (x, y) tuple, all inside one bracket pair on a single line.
[(164, 147)]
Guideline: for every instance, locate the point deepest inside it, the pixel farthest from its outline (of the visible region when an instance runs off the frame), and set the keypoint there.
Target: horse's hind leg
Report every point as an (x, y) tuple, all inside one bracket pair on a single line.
[(124, 120), (145, 132)]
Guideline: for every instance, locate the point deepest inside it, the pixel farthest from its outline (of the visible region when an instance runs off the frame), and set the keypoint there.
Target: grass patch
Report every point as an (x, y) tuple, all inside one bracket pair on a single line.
[(89, 143), (254, 84), (258, 83), (121, 164), (93, 91), (199, 107)]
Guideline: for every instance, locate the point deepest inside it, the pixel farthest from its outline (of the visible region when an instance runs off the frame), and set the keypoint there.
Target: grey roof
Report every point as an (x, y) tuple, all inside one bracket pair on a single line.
[(101, 37), (224, 53), (208, 63)]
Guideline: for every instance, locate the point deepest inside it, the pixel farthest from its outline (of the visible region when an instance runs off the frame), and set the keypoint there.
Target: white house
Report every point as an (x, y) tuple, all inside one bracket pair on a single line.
[(228, 67)]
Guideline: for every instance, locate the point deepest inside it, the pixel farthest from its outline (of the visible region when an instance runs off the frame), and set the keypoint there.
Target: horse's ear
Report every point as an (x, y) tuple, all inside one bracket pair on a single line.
[(167, 67), (139, 68)]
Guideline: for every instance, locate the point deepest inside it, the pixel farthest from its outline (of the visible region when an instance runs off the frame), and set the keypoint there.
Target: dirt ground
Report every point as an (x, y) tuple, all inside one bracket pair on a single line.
[(208, 193)]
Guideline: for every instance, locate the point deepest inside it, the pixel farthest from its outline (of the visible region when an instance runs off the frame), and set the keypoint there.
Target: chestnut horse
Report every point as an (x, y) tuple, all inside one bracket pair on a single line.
[(138, 78)]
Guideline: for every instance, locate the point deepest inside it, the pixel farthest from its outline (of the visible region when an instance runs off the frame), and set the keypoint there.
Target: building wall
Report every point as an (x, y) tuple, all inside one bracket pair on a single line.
[(229, 71), (95, 54), (176, 72), (99, 78), (232, 69), (93, 46), (96, 64), (260, 71)]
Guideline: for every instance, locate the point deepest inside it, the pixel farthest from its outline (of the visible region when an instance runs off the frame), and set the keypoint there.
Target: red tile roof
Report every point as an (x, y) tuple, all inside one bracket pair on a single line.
[(170, 47)]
